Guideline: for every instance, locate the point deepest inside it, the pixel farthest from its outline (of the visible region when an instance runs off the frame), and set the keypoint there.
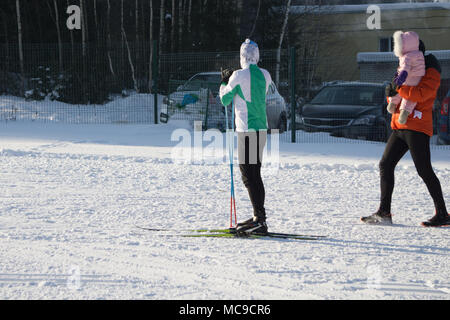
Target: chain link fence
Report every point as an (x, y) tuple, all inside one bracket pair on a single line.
[(197, 97), (336, 98)]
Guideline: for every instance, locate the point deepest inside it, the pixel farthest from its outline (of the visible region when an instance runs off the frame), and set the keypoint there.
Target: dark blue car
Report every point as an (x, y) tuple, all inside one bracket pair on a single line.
[(444, 121)]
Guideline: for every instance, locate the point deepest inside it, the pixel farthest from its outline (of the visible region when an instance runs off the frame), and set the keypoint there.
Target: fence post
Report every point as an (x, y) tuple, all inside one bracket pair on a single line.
[(207, 109), (155, 79), (292, 85)]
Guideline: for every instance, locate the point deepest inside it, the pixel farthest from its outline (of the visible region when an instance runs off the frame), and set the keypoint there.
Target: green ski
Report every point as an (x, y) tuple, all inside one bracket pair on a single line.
[(231, 233)]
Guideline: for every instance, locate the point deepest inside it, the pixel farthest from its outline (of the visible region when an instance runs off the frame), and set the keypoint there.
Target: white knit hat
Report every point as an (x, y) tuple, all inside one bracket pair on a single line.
[(249, 53)]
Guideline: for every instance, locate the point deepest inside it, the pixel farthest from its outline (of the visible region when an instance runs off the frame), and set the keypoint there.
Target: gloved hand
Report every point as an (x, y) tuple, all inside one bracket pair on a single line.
[(226, 74), (400, 79), (391, 89)]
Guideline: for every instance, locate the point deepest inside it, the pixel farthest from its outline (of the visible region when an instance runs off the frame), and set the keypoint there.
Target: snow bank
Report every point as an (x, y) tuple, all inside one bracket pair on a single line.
[(137, 108)]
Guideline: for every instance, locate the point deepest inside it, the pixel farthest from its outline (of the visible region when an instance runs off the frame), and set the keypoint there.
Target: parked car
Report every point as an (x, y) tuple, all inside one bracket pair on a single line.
[(444, 121), (190, 100), (348, 109)]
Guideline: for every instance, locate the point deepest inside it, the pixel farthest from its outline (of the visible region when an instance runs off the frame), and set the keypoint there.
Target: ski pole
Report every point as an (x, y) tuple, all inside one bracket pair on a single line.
[(232, 160), (230, 146)]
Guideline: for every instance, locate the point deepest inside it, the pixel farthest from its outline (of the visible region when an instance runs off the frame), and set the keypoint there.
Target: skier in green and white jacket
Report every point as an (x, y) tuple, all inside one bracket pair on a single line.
[(247, 88)]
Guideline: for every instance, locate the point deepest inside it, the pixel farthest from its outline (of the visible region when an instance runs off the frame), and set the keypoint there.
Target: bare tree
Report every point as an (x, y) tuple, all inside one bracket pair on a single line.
[(161, 25), (150, 63), (308, 34), (137, 44), (108, 28), (37, 7), (280, 43), (189, 16), (58, 32), (83, 31), (96, 21), (130, 60), (239, 6), (72, 40), (20, 40), (5, 31), (256, 20), (180, 24), (121, 18), (172, 30)]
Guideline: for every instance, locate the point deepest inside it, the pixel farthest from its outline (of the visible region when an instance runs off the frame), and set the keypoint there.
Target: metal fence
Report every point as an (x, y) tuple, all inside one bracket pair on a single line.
[(195, 101), (116, 84), (196, 98)]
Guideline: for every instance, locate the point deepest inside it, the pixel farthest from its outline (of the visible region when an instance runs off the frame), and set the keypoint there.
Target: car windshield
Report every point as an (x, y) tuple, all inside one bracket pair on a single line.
[(350, 95), (211, 81)]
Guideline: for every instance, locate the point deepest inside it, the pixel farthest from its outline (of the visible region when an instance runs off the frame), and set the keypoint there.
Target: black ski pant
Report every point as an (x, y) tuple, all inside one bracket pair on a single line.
[(418, 144), (250, 149)]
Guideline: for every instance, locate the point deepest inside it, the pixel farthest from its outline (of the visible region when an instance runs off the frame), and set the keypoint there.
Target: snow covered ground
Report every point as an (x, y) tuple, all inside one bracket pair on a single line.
[(71, 195)]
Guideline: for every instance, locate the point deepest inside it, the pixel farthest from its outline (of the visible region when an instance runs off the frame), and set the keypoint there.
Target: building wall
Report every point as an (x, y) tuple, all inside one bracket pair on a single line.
[(344, 33)]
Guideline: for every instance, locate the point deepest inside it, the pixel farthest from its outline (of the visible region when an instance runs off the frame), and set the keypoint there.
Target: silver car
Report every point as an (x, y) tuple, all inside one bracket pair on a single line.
[(197, 100)]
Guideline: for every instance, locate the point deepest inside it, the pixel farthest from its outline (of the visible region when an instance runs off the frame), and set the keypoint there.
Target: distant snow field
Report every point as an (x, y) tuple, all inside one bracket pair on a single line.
[(71, 196)]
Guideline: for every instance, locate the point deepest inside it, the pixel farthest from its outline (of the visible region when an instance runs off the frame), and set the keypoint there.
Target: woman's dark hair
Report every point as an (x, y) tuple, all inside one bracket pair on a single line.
[(422, 46), (432, 62)]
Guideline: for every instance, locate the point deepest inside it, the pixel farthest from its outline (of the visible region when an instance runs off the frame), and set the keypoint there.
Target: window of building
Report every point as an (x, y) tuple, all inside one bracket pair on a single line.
[(386, 44)]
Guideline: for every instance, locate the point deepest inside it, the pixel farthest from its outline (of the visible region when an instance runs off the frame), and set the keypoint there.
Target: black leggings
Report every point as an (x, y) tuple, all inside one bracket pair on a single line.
[(418, 144), (251, 146)]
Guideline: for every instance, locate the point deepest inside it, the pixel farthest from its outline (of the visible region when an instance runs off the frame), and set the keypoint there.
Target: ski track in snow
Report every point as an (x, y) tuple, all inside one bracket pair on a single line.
[(73, 202)]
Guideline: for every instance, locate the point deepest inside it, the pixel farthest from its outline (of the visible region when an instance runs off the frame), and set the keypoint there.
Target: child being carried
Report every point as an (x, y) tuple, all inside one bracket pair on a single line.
[(410, 71)]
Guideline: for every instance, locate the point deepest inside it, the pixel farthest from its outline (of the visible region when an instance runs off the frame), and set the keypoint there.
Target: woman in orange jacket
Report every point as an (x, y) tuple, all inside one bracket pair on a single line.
[(414, 136)]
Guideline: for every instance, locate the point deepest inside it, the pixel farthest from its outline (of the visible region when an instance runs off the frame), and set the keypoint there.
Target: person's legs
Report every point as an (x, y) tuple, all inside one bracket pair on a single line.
[(419, 147), (395, 149), (250, 146)]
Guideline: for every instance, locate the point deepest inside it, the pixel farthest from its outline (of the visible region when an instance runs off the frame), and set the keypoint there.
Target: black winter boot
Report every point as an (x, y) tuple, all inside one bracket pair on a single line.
[(244, 223), (255, 226), (440, 219)]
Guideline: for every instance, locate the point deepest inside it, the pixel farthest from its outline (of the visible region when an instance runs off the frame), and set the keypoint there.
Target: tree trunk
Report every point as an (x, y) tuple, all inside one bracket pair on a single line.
[(256, 20), (5, 30), (84, 76), (130, 60), (20, 40), (137, 43), (71, 40), (108, 28), (121, 19), (189, 16), (150, 69), (83, 31), (172, 29), (96, 22), (239, 6), (161, 26), (280, 43), (180, 24), (38, 18), (58, 30)]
